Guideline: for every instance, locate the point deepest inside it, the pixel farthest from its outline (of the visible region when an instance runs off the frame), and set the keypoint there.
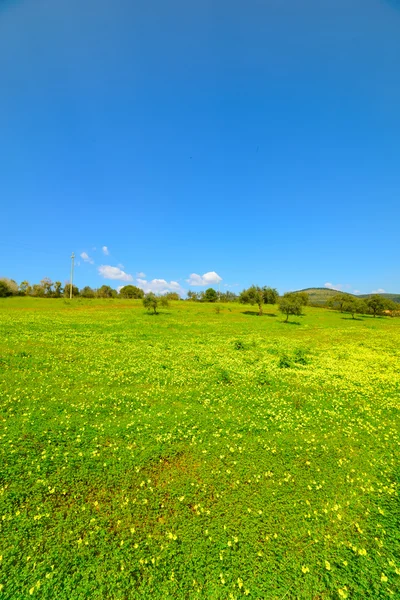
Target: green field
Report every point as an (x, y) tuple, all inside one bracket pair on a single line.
[(193, 454)]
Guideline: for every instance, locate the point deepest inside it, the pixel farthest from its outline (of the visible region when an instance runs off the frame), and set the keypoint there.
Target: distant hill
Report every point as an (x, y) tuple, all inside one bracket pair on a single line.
[(321, 295), (393, 297)]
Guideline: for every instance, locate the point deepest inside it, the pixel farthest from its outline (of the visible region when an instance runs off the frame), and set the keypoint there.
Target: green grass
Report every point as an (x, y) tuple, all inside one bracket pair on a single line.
[(192, 454)]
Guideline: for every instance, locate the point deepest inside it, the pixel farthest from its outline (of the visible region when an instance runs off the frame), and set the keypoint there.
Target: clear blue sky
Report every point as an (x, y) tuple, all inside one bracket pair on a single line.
[(257, 139)]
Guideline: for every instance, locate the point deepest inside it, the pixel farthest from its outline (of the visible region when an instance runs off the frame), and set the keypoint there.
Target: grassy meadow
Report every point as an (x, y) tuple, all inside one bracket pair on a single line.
[(193, 454)]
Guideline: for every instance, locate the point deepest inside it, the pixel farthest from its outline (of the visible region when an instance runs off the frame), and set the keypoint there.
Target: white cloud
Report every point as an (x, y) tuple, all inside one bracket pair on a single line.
[(378, 291), (142, 275), (159, 286), (116, 273), (206, 279), (105, 250), (87, 258), (334, 286), (121, 266), (356, 292)]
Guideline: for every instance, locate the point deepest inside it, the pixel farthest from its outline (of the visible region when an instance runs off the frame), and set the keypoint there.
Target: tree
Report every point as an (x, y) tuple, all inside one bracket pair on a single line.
[(354, 306), (150, 301), (376, 304), (173, 296), (192, 295), (11, 284), (131, 291), (87, 292), (38, 290), (210, 295), (25, 288), (58, 289), (46, 284), (291, 304), (67, 288), (260, 296), (4, 289), (338, 300), (105, 291)]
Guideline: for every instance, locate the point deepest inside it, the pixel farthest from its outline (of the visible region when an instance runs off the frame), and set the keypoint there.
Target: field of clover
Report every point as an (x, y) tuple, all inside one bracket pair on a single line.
[(197, 454)]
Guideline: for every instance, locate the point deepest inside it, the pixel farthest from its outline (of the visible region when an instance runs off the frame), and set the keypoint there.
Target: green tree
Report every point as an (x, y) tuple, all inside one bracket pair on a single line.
[(150, 301), (210, 295), (291, 304), (338, 300), (105, 291), (38, 290), (260, 296), (376, 304), (46, 284), (192, 295), (87, 292), (4, 289), (131, 291), (354, 306), (11, 284), (67, 287), (57, 289), (173, 296), (25, 288)]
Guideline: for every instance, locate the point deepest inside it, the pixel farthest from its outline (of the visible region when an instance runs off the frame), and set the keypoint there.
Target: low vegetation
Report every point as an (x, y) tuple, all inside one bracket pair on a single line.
[(199, 454)]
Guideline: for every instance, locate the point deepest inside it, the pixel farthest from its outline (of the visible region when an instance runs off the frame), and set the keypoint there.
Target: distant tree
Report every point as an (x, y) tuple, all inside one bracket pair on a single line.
[(131, 291), (305, 298), (192, 295), (210, 295), (105, 291), (164, 300), (67, 287), (376, 304), (57, 289), (25, 288), (87, 292), (11, 284), (46, 284), (354, 306), (260, 296), (173, 296), (291, 304), (228, 296), (4, 289), (338, 300), (150, 301), (37, 290)]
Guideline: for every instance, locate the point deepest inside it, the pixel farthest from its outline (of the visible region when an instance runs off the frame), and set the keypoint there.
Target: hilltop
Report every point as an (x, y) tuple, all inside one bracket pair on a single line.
[(321, 295)]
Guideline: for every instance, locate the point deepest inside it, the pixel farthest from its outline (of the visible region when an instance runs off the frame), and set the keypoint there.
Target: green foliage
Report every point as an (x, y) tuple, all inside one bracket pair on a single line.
[(376, 304), (260, 296), (4, 289), (131, 291), (151, 301), (88, 292), (354, 306), (173, 296), (106, 291), (67, 288), (149, 458), (292, 303), (210, 295)]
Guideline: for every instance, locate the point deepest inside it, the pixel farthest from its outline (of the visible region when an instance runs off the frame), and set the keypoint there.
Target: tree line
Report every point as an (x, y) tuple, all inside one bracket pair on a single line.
[(290, 303)]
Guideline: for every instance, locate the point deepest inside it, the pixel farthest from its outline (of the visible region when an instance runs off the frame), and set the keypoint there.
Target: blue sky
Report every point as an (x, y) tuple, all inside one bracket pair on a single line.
[(257, 140)]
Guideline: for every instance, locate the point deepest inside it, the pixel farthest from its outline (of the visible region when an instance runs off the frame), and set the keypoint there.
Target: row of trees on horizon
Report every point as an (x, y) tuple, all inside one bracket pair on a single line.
[(290, 303)]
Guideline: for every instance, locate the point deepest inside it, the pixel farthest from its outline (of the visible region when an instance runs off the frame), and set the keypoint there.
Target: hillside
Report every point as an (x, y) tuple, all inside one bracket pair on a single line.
[(321, 295)]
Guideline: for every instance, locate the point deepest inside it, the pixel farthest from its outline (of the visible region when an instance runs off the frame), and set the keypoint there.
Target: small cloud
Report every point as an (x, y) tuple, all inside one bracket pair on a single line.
[(142, 275), (120, 266), (378, 291), (87, 258), (334, 286), (207, 279), (105, 250), (356, 292), (159, 286), (116, 273)]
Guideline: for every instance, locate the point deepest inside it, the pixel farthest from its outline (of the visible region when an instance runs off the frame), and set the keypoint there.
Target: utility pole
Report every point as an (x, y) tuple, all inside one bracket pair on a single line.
[(72, 275)]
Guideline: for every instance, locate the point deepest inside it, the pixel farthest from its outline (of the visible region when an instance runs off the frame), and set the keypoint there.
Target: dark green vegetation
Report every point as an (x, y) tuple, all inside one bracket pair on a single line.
[(323, 295), (197, 454)]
